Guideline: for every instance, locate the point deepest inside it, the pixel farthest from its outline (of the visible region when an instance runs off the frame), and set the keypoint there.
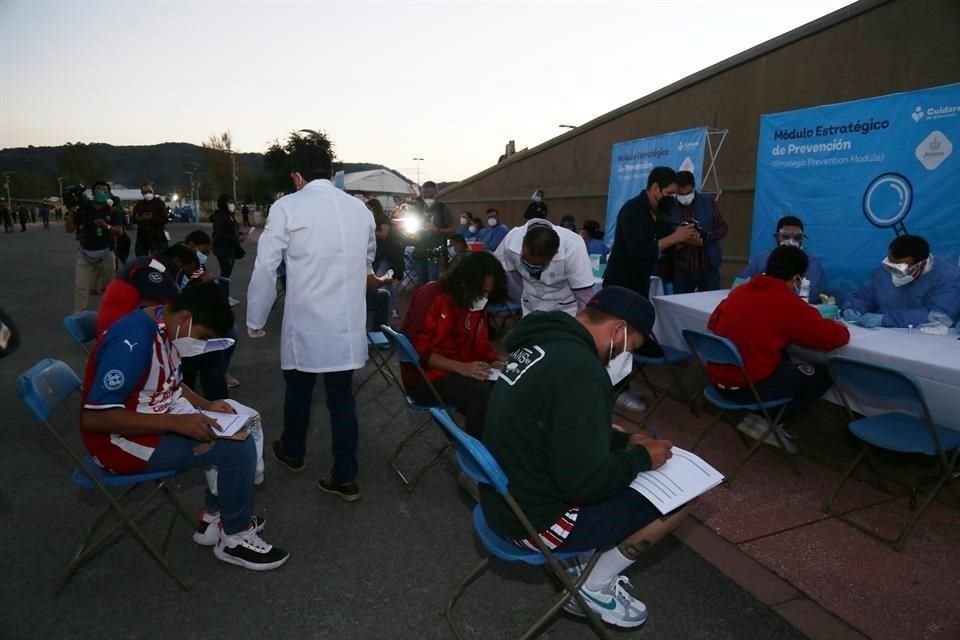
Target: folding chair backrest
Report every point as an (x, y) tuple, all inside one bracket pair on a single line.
[(405, 351), (46, 385), (712, 349), (81, 326), (473, 457), (876, 381)]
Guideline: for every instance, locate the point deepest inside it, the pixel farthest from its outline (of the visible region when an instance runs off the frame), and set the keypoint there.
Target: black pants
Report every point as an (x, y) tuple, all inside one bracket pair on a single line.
[(468, 395), (211, 370), (806, 383), (226, 256)]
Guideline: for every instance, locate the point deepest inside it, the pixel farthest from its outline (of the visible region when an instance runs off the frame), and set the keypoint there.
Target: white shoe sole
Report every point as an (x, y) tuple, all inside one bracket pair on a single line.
[(573, 608), (267, 566)]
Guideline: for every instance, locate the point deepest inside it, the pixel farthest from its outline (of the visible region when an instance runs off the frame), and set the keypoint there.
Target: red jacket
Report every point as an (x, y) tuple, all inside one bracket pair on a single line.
[(762, 318), (434, 323)]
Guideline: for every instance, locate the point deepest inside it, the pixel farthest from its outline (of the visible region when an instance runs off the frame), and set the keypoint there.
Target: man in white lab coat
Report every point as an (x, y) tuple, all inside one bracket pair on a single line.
[(547, 267), (326, 239)]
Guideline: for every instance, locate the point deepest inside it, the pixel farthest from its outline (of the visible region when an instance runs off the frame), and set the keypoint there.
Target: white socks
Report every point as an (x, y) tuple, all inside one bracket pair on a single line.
[(611, 564)]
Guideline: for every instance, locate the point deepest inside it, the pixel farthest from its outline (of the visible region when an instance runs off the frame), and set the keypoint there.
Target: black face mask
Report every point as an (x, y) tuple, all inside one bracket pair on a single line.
[(665, 204)]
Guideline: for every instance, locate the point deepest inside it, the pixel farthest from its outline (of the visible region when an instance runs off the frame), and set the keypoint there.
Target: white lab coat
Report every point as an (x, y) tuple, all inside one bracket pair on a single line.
[(570, 269), (327, 239)]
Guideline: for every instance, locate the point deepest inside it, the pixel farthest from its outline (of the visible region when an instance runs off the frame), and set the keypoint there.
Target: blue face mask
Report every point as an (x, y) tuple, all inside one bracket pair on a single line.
[(201, 258), (533, 269)]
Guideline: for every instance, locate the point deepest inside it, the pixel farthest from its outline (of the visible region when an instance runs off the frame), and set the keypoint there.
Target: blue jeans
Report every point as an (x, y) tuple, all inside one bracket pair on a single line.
[(343, 419), (236, 462)]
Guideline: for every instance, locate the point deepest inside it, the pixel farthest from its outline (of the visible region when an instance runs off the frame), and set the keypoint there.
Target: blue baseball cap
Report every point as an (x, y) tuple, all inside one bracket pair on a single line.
[(635, 310)]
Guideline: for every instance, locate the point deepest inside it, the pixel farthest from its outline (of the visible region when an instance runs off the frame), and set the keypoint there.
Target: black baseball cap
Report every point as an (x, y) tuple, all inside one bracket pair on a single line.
[(637, 311)]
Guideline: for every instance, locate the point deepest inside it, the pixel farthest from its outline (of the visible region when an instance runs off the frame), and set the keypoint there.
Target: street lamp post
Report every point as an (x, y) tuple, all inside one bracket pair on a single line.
[(6, 185), (419, 160), (233, 161)]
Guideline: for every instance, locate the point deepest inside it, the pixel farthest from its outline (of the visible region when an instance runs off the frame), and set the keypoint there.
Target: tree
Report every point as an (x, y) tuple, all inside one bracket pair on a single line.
[(218, 150), (79, 162), (276, 161)]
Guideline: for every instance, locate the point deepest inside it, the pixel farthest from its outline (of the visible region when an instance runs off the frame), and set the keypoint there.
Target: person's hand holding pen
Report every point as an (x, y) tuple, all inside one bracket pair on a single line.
[(659, 450), (195, 426)]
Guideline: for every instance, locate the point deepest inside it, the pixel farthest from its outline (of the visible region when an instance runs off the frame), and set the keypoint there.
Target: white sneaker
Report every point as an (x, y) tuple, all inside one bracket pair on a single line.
[(208, 531), (233, 301), (753, 426), (249, 550), (613, 603), (631, 401)]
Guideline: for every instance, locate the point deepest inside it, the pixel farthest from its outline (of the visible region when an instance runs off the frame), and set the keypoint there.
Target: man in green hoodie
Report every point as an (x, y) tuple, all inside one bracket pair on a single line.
[(550, 426)]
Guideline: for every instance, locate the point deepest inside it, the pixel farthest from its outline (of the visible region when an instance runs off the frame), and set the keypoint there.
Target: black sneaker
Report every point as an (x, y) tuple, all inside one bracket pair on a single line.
[(348, 492), (290, 463), (248, 550)]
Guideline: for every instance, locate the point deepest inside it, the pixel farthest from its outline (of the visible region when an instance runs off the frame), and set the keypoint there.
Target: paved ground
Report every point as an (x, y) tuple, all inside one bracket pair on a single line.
[(382, 567)]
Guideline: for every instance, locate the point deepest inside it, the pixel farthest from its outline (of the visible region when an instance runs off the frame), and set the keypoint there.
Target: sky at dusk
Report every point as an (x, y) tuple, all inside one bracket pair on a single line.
[(449, 82)]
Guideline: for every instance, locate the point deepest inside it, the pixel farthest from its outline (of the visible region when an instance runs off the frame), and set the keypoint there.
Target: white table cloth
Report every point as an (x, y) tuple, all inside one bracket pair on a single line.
[(933, 360)]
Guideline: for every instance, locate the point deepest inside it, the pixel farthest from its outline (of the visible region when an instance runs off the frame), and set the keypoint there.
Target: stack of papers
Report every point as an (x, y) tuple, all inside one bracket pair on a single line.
[(681, 479), (232, 425)]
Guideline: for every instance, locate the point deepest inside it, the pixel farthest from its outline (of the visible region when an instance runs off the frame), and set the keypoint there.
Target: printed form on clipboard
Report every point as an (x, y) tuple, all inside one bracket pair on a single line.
[(233, 426), (681, 479)]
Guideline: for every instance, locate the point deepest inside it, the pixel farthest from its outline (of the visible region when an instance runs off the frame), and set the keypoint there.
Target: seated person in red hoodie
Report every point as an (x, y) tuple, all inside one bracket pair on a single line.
[(762, 318), (448, 326)]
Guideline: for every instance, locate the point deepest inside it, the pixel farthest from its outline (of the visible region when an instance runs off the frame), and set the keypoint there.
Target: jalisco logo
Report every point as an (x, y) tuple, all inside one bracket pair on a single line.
[(935, 113), (934, 149)]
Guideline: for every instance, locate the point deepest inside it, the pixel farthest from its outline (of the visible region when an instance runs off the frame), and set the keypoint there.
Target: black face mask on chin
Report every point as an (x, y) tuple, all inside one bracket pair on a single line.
[(665, 204)]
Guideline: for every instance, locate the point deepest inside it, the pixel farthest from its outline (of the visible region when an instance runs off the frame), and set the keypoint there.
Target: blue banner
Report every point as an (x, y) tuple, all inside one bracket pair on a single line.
[(859, 173), (631, 163)]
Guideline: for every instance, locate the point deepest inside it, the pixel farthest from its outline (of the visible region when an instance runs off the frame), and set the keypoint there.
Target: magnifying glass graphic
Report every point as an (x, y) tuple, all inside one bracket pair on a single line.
[(887, 201)]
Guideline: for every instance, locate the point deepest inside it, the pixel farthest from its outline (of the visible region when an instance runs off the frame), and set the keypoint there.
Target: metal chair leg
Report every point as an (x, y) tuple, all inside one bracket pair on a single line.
[(474, 573), (706, 431), (911, 523), (402, 445), (828, 507), (573, 591), (422, 471)]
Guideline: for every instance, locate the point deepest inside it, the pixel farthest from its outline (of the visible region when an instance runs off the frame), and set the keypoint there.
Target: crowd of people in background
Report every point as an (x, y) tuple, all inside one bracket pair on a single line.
[(583, 299)]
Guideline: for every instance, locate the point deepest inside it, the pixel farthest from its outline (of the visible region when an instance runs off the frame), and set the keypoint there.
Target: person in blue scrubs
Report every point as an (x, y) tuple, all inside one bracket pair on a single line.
[(910, 287), (790, 232), (592, 234), (494, 232)]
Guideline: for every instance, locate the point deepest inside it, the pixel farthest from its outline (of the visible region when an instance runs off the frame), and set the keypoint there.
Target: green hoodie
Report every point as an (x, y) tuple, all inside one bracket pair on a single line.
[(549, 426)]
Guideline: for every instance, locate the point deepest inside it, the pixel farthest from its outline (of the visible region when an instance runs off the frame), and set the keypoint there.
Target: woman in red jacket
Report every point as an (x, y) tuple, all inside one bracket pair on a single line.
[(447, 325)]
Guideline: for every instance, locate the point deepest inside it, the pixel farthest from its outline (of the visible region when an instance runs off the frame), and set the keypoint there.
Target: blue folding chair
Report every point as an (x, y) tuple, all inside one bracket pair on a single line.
[(82, 327), (42, 388), (895, 431), (711, 349), (380, 350), (476, 462), (406, 354), (674, 360)]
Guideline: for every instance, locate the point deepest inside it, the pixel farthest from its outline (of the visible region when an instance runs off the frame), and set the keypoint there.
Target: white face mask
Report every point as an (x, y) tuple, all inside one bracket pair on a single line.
[(479, 304), (429, 201), (687, 199), (109, 202), (188, 347), (148, 196), (900, 274), (491, 222), (901, 280), (463, 221), (472, 228), (620, 367), (231, 207)]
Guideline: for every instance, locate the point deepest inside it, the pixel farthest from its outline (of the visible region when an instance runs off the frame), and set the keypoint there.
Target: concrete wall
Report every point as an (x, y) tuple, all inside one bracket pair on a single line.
[(871, 48)]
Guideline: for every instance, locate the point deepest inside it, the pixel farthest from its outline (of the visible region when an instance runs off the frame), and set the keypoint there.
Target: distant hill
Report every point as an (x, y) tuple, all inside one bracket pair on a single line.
[(165, 165)]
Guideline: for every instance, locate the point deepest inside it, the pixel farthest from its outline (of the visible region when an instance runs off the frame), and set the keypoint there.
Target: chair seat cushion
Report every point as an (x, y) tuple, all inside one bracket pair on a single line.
[(112, 479), (904, 433), (716, 398), (503, 548), (377, 339)]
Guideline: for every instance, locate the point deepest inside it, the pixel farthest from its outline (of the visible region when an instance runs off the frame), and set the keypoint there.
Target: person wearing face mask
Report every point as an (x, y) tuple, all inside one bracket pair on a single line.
[(640, 234), (429, 242), (790, 233), (592, 234), (324, 310), (569, 469), (150, 216), (227, 237), (696, 265), (537, 208), (97, 225), (447, 324), (494, 232), (763, 318), (138, 417), (470, 227), (548, 268), (910, 287)]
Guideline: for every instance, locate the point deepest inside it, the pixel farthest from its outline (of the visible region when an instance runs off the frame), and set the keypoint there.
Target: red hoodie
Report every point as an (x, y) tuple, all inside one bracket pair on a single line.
[(434, 323), (762, 318)]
